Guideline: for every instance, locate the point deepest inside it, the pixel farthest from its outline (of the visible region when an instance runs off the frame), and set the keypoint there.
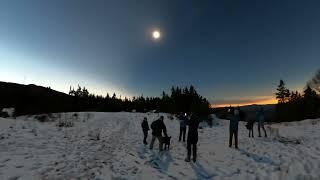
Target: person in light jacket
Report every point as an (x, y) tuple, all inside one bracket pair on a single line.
[(260, 120)]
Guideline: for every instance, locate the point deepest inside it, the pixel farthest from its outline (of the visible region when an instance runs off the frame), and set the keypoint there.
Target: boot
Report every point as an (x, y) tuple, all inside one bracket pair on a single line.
[(187, 159)]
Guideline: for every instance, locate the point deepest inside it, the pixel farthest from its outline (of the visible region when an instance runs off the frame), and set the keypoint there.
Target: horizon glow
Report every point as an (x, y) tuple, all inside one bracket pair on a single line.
[(227, 51)]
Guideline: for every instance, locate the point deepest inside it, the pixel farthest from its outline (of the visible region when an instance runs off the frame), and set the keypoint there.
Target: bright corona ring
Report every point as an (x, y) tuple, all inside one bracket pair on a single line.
[(156, 35)]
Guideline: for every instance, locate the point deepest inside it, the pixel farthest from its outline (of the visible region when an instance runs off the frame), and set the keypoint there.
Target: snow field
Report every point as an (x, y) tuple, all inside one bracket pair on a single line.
[(109, 146)]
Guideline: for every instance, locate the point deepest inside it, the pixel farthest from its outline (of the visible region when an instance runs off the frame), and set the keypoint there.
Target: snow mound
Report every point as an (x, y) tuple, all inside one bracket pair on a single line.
[(9, 111)]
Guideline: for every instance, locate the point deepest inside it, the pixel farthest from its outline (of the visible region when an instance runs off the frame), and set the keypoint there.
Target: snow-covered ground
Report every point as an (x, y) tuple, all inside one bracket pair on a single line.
[(30, 149)]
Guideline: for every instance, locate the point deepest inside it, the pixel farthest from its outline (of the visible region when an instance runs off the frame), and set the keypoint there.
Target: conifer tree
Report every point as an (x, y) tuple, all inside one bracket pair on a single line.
[(283, 93), (314, 83), (311, 103)]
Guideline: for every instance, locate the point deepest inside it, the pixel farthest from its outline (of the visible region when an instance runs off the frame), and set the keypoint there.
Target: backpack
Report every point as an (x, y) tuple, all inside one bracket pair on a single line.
[(248, 126), (153, 125), (242, 116)]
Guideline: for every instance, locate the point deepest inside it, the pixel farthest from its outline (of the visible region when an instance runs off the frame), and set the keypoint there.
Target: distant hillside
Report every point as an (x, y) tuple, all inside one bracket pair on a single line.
[(32, 99), (250, 110), (254, 107)]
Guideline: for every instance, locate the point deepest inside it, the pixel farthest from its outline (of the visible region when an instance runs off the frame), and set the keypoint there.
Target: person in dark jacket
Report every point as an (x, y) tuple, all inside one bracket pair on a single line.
[(192, 138), (145, 129), (183, 128), (158, 127), (249, 126), (233, 128), (260, 120)]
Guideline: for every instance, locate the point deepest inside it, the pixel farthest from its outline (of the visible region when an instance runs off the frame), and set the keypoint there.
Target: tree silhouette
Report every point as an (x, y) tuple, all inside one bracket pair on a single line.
[(310, 102), (283, 93), (180, 100), (293, 106), (314, 83)]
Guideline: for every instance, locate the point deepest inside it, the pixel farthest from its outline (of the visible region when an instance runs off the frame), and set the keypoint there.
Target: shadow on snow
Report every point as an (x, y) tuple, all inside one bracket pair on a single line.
[(257, 158), (201, 172)]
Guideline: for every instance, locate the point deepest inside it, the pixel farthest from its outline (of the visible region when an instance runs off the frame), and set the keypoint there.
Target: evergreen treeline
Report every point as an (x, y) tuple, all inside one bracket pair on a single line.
[(293, 106), (32, 99), (179, 100)]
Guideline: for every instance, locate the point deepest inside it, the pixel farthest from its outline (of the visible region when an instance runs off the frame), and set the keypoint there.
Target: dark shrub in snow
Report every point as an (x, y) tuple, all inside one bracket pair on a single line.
[(4, 114), (42, 118)]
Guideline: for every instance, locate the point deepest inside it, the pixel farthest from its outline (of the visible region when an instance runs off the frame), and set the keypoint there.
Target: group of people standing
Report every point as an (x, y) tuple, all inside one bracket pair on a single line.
[(234, 122), (158, 128)]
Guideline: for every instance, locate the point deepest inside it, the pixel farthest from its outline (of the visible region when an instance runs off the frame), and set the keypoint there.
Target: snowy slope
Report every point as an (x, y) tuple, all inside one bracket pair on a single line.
[(40, 150)]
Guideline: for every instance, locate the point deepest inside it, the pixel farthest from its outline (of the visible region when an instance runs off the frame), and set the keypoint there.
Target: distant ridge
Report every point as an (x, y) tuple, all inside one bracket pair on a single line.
[(33, 99), (266, 107), (250, 110)]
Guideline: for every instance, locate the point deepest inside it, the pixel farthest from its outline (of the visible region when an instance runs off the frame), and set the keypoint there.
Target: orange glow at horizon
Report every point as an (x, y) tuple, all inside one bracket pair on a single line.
[(258, 102)]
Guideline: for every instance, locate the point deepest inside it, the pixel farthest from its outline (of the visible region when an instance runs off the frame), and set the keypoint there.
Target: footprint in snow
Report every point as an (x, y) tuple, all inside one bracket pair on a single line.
[(14, 178), (6, 160), (172, 177), (34, 168), (137, 162), (135, 170), (28, 157)]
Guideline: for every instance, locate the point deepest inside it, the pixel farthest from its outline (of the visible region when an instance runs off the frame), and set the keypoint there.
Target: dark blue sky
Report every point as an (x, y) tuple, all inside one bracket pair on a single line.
[(232, 51)]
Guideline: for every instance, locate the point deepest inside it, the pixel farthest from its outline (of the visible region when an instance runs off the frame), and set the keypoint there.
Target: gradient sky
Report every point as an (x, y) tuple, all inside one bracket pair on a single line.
[(232, 51)]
